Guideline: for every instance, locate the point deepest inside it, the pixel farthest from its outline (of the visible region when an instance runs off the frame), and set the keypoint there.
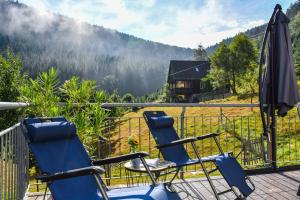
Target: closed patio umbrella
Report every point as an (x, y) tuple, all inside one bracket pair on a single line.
[(278, 86)]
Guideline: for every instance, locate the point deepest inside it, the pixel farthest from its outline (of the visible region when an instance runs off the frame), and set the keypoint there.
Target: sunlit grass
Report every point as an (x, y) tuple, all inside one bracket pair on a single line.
[(236, 126)]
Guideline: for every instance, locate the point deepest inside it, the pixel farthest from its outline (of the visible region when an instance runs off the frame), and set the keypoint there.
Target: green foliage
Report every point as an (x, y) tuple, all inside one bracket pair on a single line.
[(133, 143), (230, 63), (218, 77), (42, 93), (295, 34), (82, 104), (115, 60), (109, 83), (293, 9), (200, 53), (128, 98), (166, 94), (10, 81), (247, 84)]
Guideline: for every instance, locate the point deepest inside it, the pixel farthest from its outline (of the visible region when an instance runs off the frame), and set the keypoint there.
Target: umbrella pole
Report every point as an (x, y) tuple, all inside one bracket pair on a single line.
[(273, 116), (272, 149)]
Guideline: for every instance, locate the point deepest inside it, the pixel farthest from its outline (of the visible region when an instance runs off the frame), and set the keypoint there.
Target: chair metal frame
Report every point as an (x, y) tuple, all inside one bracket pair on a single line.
[(192, 141), (94, 169)]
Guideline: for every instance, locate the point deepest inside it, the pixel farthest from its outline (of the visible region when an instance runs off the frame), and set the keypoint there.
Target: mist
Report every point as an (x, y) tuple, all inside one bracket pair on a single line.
[(115, 60)]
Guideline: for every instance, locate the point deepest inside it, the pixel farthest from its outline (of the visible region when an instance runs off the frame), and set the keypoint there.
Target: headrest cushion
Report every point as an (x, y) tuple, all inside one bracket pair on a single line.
[(49, 131), (162, 122)]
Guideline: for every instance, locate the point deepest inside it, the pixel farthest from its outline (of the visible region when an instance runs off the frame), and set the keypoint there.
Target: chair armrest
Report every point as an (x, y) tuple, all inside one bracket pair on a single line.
[(121, 158), (210, 135), (176, 142), (187, 140), (71, 174)]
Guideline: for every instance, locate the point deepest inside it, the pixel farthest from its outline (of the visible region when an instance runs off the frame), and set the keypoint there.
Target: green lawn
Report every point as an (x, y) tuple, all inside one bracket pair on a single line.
[(236, 126)]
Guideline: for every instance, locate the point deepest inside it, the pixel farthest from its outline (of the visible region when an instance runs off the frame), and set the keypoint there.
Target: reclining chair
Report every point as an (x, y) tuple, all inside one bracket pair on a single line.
[(172, 149), (68, 171)]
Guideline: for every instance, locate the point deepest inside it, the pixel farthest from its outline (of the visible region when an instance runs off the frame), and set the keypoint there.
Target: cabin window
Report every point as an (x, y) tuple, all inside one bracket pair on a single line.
[(202, 85), (183, 84), (179, 84)]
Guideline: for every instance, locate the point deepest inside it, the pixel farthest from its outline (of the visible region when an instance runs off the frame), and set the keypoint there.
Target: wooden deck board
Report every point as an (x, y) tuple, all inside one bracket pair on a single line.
[(277, 186)]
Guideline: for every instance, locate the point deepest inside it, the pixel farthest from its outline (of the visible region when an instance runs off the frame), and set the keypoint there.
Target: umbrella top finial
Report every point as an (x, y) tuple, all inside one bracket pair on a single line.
[(278, 6)]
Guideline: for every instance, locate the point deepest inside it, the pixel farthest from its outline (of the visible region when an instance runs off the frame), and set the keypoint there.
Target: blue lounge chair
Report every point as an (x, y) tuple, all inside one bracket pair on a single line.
[(172, 149), (68, 170)]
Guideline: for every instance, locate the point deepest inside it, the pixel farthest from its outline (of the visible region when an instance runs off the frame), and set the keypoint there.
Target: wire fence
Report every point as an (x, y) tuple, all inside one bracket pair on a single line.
[(238, 133), (241, 135)]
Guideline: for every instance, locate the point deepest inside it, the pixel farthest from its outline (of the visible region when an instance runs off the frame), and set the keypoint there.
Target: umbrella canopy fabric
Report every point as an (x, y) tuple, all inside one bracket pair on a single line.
[(279, 87)]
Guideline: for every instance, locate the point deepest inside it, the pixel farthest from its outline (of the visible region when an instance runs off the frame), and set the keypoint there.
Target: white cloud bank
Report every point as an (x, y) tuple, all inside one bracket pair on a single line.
[(181, 26)]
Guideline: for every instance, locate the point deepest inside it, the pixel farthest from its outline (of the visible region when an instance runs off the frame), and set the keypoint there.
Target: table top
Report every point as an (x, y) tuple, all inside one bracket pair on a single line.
[(159, 166)]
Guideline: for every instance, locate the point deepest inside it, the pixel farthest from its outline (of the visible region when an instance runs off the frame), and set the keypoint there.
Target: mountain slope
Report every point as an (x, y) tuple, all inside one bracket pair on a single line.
[(257, 32), (115, 60)]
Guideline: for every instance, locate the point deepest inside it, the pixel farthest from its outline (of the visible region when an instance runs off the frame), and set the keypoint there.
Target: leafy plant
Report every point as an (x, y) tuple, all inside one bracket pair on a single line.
[(10, 81), (133, 143), (42, 94)]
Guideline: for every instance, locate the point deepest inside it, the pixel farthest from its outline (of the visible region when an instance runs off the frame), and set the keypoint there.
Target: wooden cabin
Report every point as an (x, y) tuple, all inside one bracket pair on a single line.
[(184, 79)]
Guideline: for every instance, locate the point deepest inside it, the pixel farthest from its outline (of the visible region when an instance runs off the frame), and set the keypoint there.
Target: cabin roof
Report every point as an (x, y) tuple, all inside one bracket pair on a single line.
[(187, 70)]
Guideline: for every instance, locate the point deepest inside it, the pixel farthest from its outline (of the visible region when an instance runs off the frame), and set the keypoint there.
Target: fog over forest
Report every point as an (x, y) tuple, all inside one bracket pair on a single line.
[(115, 60)]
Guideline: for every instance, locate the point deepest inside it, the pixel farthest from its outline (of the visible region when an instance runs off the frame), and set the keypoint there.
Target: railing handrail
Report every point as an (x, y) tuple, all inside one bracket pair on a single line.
[(216, 105), (12, 105), (9, 129)]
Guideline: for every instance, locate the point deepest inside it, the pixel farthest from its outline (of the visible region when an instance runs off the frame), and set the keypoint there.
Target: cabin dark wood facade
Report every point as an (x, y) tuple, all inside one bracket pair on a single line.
[(185, 79)]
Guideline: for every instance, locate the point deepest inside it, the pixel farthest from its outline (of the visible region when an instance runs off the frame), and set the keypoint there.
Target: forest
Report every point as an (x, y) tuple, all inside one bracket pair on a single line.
[(115, 60)]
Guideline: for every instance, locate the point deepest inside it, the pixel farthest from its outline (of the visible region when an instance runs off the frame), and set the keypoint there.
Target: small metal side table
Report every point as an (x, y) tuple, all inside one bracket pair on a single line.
[(160, 169)]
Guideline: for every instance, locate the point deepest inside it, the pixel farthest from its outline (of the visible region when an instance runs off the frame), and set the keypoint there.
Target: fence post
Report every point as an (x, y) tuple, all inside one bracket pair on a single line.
[(182, 133), (221, 114)]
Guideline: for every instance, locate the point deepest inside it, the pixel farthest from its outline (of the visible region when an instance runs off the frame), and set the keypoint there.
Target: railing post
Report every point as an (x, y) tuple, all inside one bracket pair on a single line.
[(181, 174), (221, 114)]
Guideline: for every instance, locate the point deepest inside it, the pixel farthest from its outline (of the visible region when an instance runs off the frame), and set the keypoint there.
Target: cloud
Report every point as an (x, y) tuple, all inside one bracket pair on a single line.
[(207, 25), (174, 23)]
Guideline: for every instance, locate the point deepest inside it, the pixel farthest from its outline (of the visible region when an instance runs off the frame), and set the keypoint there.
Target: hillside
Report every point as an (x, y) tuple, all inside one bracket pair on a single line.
[(114, 59), (257, 32)]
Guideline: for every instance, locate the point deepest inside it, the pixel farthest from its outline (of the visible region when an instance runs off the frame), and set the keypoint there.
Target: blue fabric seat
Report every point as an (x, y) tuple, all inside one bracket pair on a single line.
[(143, 192), (172, 149), (59, 151)]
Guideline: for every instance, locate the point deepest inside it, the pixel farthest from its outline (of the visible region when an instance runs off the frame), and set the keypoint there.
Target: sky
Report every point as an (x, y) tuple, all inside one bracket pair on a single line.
[(184, 23)]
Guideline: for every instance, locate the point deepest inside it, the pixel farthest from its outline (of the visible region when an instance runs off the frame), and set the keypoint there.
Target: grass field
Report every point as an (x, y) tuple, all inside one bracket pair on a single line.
[(236, 127)]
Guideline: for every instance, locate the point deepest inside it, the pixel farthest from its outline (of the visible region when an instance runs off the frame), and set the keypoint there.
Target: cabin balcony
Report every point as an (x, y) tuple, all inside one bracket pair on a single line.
[(239, 129)]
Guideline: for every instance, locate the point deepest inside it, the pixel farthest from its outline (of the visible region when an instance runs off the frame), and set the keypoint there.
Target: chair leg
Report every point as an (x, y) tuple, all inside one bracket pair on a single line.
[(101, 187), (192, 189), (205, 171), (173, 178), (298, 193), (45, 193)]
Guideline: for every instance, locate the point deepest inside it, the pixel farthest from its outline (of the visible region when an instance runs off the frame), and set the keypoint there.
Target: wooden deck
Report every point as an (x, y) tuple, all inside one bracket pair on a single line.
[(283, 185)]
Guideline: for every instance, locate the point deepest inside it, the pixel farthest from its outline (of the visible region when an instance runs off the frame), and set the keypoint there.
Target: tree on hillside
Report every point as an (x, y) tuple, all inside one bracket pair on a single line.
[(128, 98), (109, 83), (243, 53), (295, 34), (10, 81), (228, 63), (247, 84), (293, 9), (220, 70), (200, 53)]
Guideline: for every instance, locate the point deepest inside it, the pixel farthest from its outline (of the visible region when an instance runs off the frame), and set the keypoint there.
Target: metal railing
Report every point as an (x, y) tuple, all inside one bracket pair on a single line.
[(14, 164), (14, 159), (240, 133)]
